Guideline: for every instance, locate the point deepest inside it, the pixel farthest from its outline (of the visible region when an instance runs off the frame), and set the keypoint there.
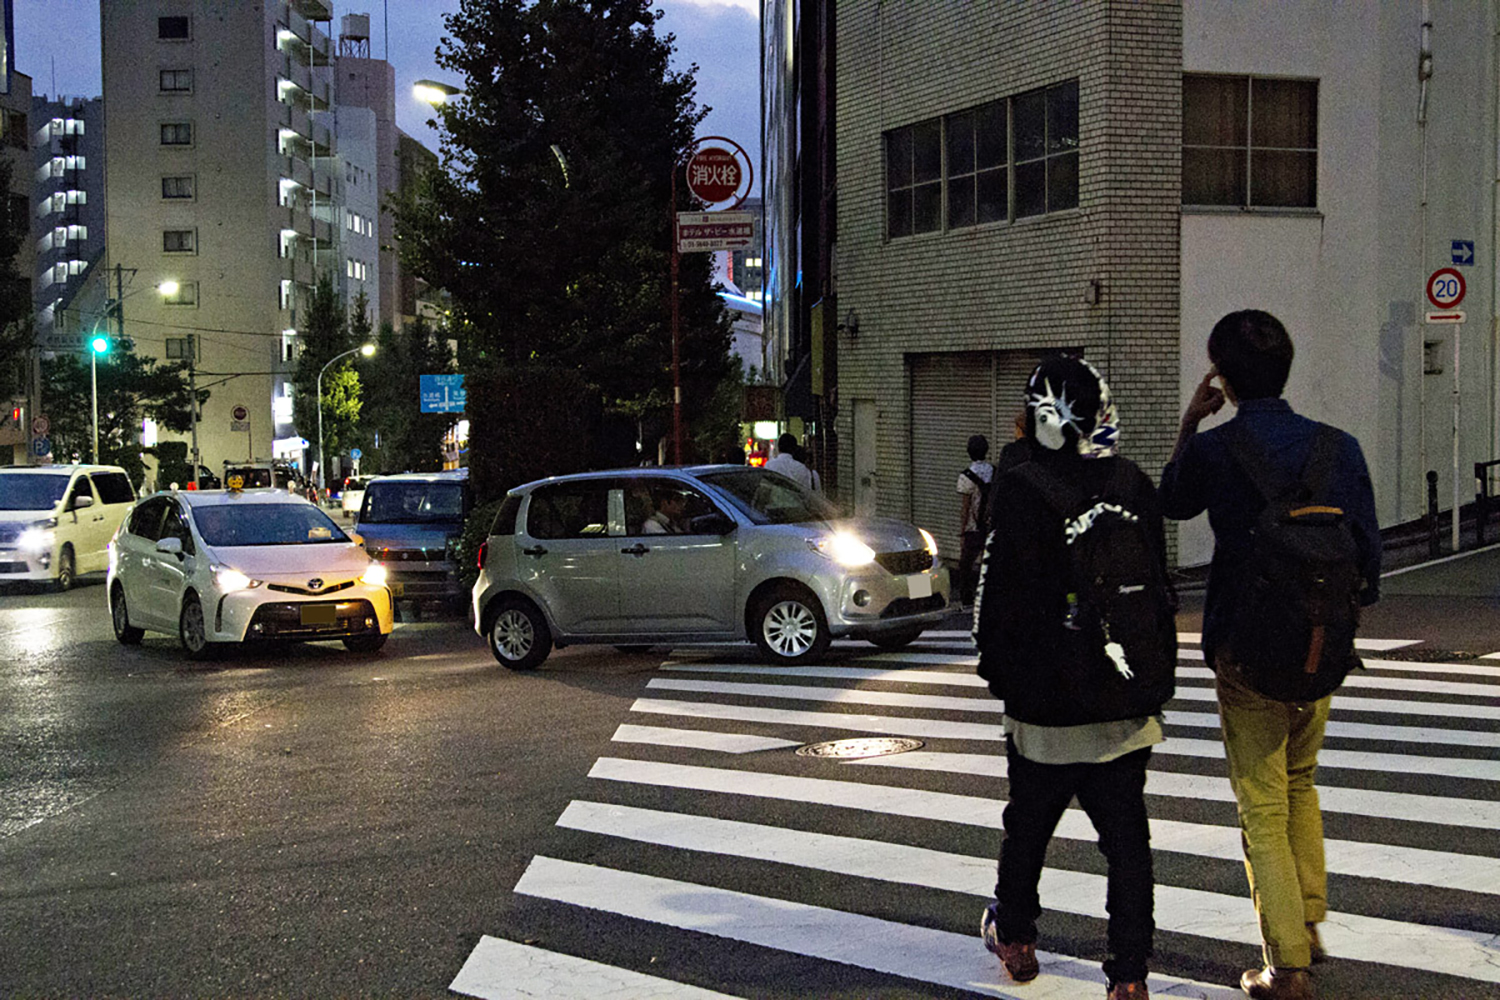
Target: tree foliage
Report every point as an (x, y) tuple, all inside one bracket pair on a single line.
[(131, 388), (550, 219), (326, 335), (395, 435)]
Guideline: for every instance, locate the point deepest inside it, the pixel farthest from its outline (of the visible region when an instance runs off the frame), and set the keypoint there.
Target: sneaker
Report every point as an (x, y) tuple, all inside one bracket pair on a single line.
[(1019, 959), (1318, 954), (1278, 984), (1128, 991)]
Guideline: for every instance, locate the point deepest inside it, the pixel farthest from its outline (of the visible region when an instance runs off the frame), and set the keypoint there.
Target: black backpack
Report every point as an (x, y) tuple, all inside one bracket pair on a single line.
[(982, 502), (1121, 605), (1291, 633)]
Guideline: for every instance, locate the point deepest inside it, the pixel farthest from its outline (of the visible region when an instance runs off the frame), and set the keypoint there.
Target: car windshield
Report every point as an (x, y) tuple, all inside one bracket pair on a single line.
[(31, 491), (234, 524), (771, 498), (412, 503)]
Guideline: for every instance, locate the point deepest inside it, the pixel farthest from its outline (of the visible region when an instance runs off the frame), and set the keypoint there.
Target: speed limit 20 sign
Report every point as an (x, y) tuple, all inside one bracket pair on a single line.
[(1446, 288)]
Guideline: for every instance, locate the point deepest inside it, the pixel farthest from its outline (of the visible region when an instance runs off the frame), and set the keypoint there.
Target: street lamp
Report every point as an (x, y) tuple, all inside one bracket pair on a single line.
[(365, 350), (435, 93)]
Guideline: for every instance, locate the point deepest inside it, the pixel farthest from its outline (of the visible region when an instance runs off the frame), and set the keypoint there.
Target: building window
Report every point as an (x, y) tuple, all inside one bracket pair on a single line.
[(177, 187), (976, 165), (186, 295), (176, 81), (914, 178), (174, 29), (177, 133), (178, 349), (356, 269), (13, 128), (998, 162), (1249, 142), (178, 241)]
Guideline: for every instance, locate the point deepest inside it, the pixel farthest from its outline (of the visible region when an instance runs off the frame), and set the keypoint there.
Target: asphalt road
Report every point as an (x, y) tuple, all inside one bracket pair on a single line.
[(304, 822)]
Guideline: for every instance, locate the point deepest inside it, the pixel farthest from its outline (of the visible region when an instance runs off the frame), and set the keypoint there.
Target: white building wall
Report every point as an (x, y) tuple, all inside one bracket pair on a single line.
[(360, 223)]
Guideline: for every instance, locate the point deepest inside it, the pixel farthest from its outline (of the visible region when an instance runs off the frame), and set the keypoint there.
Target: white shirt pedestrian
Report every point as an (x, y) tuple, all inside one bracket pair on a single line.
[(794, 470), (966, 487)]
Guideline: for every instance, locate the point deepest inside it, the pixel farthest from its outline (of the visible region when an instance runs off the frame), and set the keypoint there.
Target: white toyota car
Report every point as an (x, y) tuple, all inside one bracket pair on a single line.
[(228, 566)]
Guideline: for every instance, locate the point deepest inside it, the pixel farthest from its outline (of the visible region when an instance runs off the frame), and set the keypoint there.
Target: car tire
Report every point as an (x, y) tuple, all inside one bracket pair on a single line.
[(897, 640), (192, 630), (371, 643), (789, 626), (119, 614), (518, 635), (67, 567)]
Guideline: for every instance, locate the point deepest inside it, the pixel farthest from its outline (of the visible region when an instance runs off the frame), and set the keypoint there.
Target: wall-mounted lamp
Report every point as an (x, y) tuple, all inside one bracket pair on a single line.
[(850, 325), (1093, 291)]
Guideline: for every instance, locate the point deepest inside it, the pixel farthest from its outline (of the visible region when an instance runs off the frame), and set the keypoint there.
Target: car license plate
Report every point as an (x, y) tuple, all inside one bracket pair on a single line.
[(319, 614), (396, 588), (919, 586)]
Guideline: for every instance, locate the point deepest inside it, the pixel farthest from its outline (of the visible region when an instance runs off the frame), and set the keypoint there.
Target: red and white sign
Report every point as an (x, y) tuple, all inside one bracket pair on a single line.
[(713, 175), (240, 413), (714, 231), (1446, 316), (1445, 289)]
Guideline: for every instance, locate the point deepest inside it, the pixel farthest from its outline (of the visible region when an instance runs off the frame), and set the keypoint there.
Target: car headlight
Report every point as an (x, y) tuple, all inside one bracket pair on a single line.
[(230, 580), (374, 575), (844, 549), (931, 542), (37, 538)]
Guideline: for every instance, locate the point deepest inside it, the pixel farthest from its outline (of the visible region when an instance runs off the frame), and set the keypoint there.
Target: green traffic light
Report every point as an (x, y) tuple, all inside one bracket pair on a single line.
[(100, 345)]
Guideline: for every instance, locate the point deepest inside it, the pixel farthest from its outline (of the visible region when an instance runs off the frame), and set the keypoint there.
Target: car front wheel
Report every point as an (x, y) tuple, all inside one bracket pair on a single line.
[(192, 630), (127, 633), (66, 575), (519, 636), (789, 627)]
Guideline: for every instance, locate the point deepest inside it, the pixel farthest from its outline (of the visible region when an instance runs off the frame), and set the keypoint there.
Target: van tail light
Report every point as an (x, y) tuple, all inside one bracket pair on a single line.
[(484, 548)]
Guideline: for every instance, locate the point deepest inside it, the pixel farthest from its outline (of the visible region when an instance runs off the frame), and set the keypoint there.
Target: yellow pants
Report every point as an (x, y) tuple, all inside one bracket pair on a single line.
[(1272, 748)]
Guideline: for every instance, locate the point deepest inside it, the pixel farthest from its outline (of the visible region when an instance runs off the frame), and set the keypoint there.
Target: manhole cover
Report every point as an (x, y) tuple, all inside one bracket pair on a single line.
[(873, 746)]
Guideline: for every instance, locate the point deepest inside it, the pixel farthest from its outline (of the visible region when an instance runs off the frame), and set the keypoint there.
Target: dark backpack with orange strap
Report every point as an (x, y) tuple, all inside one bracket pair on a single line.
[(1291, 632)]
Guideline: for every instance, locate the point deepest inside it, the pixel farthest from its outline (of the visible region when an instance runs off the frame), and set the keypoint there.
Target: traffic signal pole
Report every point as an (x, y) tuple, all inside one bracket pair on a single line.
[(676, 332)]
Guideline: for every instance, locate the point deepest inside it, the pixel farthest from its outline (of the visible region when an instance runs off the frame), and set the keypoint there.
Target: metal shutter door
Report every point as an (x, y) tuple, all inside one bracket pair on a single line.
[(952, 397)]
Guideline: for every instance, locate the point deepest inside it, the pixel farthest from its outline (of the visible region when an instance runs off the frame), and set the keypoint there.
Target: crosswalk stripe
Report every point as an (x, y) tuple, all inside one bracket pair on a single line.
[(1363, 703), (1378, 861), (934, 728), (699, 739), (1373, 645), (1361, 730), (950, 678), (1484, 770), (507, 970), (1443, 950), (933, 956), (1384, 683)]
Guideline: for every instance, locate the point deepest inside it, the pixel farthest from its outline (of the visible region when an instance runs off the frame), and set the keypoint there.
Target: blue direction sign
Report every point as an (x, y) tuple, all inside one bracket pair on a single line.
[(41, 447), (443, 393), (356, 454), (1463, 251)]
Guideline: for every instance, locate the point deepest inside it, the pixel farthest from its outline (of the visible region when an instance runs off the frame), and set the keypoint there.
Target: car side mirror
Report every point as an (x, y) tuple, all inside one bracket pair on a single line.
[(81, 502), (357, 538), (169, 546), (711, 524)]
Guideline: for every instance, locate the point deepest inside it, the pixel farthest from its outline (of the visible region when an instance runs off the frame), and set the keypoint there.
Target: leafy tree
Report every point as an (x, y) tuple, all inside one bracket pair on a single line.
[(131, 388), (397, 436), (549, 221), (16, 335), (325, 335)]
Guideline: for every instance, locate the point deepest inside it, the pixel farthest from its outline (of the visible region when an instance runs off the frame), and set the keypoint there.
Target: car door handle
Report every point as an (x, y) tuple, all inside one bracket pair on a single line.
[(635, 550), (535, 550)]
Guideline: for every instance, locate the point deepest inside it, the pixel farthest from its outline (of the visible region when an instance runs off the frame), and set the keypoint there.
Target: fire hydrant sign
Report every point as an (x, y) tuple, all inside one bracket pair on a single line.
[(714, 230), (713, 175), (239, 419)]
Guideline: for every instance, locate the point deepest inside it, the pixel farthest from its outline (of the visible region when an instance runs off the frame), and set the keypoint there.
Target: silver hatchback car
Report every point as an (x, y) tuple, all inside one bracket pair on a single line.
[(704, 554)]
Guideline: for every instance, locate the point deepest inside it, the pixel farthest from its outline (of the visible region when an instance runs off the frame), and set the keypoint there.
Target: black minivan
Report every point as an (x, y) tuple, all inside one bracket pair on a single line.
[(412, 523)]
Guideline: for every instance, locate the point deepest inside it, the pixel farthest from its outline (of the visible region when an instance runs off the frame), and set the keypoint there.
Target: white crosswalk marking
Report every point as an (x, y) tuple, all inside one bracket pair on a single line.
[(504, 970), (1423, 769)]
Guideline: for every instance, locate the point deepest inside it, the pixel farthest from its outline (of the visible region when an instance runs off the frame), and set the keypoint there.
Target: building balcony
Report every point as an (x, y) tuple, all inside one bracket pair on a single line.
[(315, 10), (296, 70), (322, 138), (297, 120)]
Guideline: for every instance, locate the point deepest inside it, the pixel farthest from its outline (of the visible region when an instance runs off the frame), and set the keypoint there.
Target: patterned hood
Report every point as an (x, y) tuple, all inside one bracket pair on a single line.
[(1068, 400)]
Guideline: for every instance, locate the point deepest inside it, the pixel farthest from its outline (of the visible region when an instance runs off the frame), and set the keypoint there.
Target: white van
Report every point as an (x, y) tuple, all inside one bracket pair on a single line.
[(56, 520)]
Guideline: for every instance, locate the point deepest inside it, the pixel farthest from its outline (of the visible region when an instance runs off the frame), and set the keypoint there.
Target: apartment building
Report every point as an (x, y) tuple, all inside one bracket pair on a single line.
[(15, 147), (222, 181), (68, 224)]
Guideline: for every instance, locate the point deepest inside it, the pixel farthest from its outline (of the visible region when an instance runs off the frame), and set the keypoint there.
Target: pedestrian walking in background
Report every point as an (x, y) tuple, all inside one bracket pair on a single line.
[(1296, 553), (1077, 634), (788, 462), (973, 508), (1011, 455)]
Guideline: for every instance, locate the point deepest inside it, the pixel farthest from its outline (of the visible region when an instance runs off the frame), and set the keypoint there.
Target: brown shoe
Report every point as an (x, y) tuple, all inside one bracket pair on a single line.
[(1019, 958), (1278, 984), (1128, 991), (1318, 954)]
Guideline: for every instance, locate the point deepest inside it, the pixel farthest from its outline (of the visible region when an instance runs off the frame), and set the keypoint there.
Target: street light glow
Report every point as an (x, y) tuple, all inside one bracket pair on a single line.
[(169, 287), (433, 92), (368, 350), (100, 345)]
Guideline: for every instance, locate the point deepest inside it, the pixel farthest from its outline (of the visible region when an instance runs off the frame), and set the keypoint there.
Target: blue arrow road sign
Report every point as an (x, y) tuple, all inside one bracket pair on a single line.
[(443, 393), (1463, 251), (41, 446), (356, 454)]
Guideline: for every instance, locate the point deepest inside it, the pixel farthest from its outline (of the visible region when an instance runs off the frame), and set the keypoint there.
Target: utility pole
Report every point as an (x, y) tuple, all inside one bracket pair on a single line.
[(120, 302), (192, 344)]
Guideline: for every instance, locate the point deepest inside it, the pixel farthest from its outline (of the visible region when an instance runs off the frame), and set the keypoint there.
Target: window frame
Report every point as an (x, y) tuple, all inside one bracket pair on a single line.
[(1053, 151), (186, 296), (192, 184), (1245, 202), (654, 484), (161, 80), (187, 24), (176, 126), (604, 487), (192, 241)]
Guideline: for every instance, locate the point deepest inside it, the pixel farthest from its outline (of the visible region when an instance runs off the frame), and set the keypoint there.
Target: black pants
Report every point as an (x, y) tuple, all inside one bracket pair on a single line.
[(970, 553), (1112, 794)]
